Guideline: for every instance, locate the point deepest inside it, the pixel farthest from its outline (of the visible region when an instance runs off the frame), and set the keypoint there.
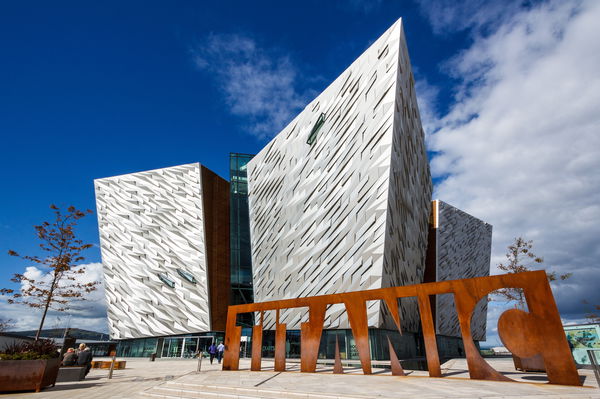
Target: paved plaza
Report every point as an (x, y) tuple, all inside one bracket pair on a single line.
[(178, 378)]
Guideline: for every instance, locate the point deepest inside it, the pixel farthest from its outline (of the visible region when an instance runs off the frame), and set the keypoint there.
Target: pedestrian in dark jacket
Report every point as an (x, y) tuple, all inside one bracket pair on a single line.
[(70, 358), (85, 358), (212, 351)]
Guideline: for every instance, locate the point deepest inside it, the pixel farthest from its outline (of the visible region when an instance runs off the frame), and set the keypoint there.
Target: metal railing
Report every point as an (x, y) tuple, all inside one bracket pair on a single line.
[(595, 366)]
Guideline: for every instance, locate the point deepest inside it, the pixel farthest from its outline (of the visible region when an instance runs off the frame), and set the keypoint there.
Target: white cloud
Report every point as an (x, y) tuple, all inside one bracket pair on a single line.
[(477, 15), (258, 85), (427, 100), (89, 314), (520, 148)]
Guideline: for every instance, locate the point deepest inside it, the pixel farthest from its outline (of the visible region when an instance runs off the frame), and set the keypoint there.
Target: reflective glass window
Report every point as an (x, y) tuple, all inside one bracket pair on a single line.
[(175, 346), (190, 347)]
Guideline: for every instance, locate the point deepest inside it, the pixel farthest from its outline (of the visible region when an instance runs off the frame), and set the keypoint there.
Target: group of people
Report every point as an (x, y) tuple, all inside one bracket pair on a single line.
[(216, 351), (80, 357)]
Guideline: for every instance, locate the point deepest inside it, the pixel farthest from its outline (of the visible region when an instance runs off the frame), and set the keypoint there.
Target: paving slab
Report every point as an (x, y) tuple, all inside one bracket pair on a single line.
[(178, 378), (353, 385)]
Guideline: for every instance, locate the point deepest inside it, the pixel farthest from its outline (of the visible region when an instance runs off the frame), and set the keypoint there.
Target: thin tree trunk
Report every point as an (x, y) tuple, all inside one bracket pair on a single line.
[(37, 335)]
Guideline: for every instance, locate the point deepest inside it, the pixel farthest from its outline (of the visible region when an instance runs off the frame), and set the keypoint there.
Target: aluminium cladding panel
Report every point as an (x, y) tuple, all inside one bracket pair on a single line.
[(151, 223), (409, 203), (464, 245), (322, 214)]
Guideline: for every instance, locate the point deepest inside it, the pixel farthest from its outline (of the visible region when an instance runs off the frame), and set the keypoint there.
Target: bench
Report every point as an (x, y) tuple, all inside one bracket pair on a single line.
[(71, 373), (103, 364)]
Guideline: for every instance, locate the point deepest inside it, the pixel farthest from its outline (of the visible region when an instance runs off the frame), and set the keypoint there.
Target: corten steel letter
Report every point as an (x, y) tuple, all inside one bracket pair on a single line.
[(538, 331), (280, 330), (391, 301), (479, 369), (356, 306), (310, 337), (337, 365), (431, 352), (525, 334), (257, 337), (233, 334), (394, 362), (257, 333)]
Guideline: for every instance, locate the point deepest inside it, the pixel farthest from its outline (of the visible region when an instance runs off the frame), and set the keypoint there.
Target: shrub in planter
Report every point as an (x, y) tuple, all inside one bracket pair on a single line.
[(33, 350), (29, 365)]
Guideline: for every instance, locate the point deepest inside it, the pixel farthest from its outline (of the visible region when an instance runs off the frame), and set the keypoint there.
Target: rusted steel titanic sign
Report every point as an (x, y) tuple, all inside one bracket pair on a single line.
[(525, 334)]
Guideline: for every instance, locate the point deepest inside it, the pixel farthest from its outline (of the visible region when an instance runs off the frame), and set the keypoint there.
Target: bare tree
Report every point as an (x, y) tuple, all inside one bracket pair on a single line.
[(58, 286), (520, 258), (5, 324), (593, 316)]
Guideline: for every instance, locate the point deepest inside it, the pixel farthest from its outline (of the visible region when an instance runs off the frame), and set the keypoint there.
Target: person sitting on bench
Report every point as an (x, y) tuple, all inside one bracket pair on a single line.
[(70, 358), (85, 358)]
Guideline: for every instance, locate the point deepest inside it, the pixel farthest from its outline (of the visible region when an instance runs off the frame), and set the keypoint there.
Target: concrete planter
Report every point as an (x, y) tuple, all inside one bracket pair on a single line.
[(25, 375)]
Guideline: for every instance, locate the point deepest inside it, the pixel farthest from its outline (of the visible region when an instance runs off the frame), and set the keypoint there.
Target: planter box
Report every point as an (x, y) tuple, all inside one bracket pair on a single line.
[(25, 375)]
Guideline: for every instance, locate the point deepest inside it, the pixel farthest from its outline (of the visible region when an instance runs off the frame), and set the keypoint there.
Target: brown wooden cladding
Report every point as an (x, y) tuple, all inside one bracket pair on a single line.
[(215, 195), (429, 276)]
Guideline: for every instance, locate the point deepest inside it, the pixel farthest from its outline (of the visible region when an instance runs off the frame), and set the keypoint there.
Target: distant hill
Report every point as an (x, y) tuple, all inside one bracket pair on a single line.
[(60, 332)]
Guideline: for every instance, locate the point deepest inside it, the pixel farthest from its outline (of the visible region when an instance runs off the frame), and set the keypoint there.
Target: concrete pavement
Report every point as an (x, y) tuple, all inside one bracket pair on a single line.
[(178, 378)]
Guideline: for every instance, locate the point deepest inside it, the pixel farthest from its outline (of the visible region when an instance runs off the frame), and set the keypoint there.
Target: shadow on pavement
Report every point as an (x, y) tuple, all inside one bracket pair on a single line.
[(66, 386)]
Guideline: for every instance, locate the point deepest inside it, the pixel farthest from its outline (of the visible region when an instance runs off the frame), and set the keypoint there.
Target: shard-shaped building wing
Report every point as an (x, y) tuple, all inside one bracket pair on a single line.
[(460, 247), (340, 198), (165, 254)]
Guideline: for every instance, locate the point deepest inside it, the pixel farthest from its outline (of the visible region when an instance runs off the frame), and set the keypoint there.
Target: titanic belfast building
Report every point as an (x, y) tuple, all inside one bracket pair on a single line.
[(339, 201)]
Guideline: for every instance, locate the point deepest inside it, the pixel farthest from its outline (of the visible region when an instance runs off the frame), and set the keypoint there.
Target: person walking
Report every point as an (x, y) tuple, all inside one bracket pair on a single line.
[(220, 350), (212, 351), (84, 358)]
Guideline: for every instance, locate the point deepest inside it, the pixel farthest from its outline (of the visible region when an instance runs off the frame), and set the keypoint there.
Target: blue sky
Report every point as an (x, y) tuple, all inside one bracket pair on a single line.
[(90, 90), (507, 91)]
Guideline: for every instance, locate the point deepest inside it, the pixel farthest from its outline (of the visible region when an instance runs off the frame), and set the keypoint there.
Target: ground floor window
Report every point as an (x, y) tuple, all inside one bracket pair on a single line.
[(179, 347), (142, 347)]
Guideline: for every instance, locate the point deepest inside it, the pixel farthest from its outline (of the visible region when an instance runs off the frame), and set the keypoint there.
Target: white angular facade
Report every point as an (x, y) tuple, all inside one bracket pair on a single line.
[(463, 246), (154, 255), (347, 208)]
